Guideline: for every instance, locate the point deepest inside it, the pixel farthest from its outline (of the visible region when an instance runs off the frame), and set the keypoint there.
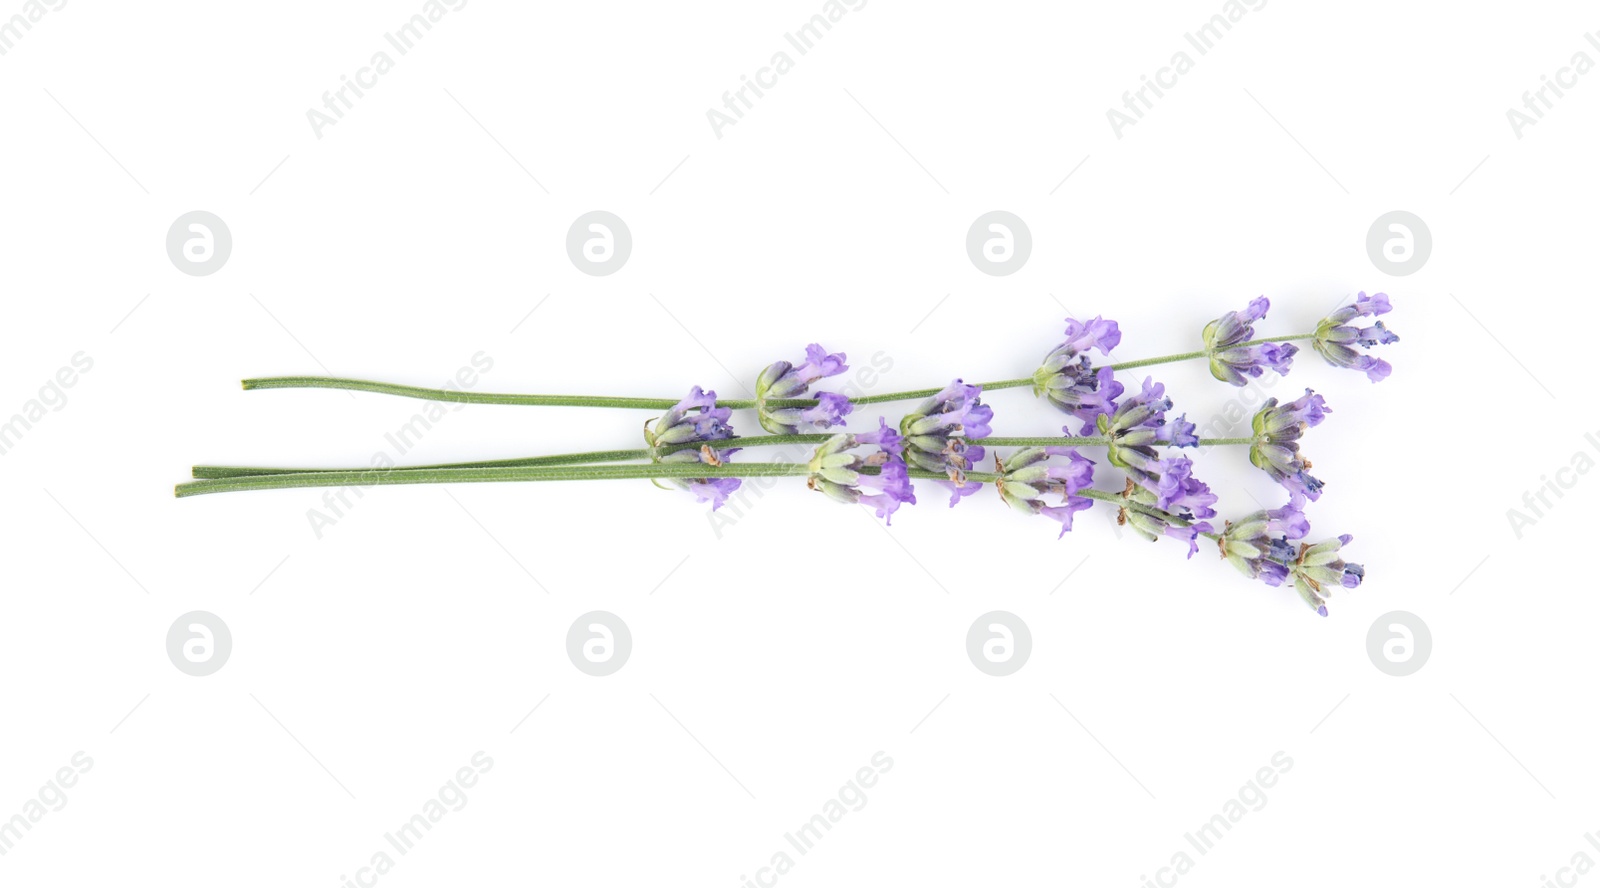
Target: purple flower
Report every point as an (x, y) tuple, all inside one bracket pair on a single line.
[(1067, 378), (878, 479), (939, 436), (783, 381), (1081, 390), (708, 490), (1132, 432), (1258, 544), (1154, 527), (1276, 448), (1029, 474), (1141, 421), (695, 420), (831, 410), (1318, 567), (1336, 339), (1231, 360)]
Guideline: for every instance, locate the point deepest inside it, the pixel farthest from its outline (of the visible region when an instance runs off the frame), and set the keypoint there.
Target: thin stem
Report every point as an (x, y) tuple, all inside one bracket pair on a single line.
[(1086, 442), (1118, 499), (464, 397), (917, 394), (1041, 442), (375, 477), (984, 477), (1168, 359), (559, 459), (206, 472)]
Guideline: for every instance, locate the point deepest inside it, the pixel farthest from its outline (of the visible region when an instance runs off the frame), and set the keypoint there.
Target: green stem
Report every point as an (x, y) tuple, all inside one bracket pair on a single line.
[(374, 477), (464, 397), (1118, 499), (917, 394), (560, 459), (609, 456)]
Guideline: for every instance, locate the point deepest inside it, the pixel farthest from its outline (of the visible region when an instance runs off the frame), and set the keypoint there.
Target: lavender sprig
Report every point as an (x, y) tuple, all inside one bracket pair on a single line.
[(689, 446)]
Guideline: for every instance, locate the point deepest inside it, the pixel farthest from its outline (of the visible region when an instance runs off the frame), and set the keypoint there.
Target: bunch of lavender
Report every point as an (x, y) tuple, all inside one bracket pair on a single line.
[(947, 438)]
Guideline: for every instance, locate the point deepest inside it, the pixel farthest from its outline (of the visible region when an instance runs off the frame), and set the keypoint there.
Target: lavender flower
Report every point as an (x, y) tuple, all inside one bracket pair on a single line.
[(1258, 544), (1231, 360), (783, 380), (1335, 338), (1154, 526), (1070, 382), (939, 436), (1276, 448), (695, 420), (1027, 475), (1141, 421), (1132, 432), (1318, 567), (843, 475)]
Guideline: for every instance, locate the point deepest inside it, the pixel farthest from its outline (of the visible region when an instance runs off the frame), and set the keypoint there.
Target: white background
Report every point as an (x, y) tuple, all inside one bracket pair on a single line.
[(773, 657)]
